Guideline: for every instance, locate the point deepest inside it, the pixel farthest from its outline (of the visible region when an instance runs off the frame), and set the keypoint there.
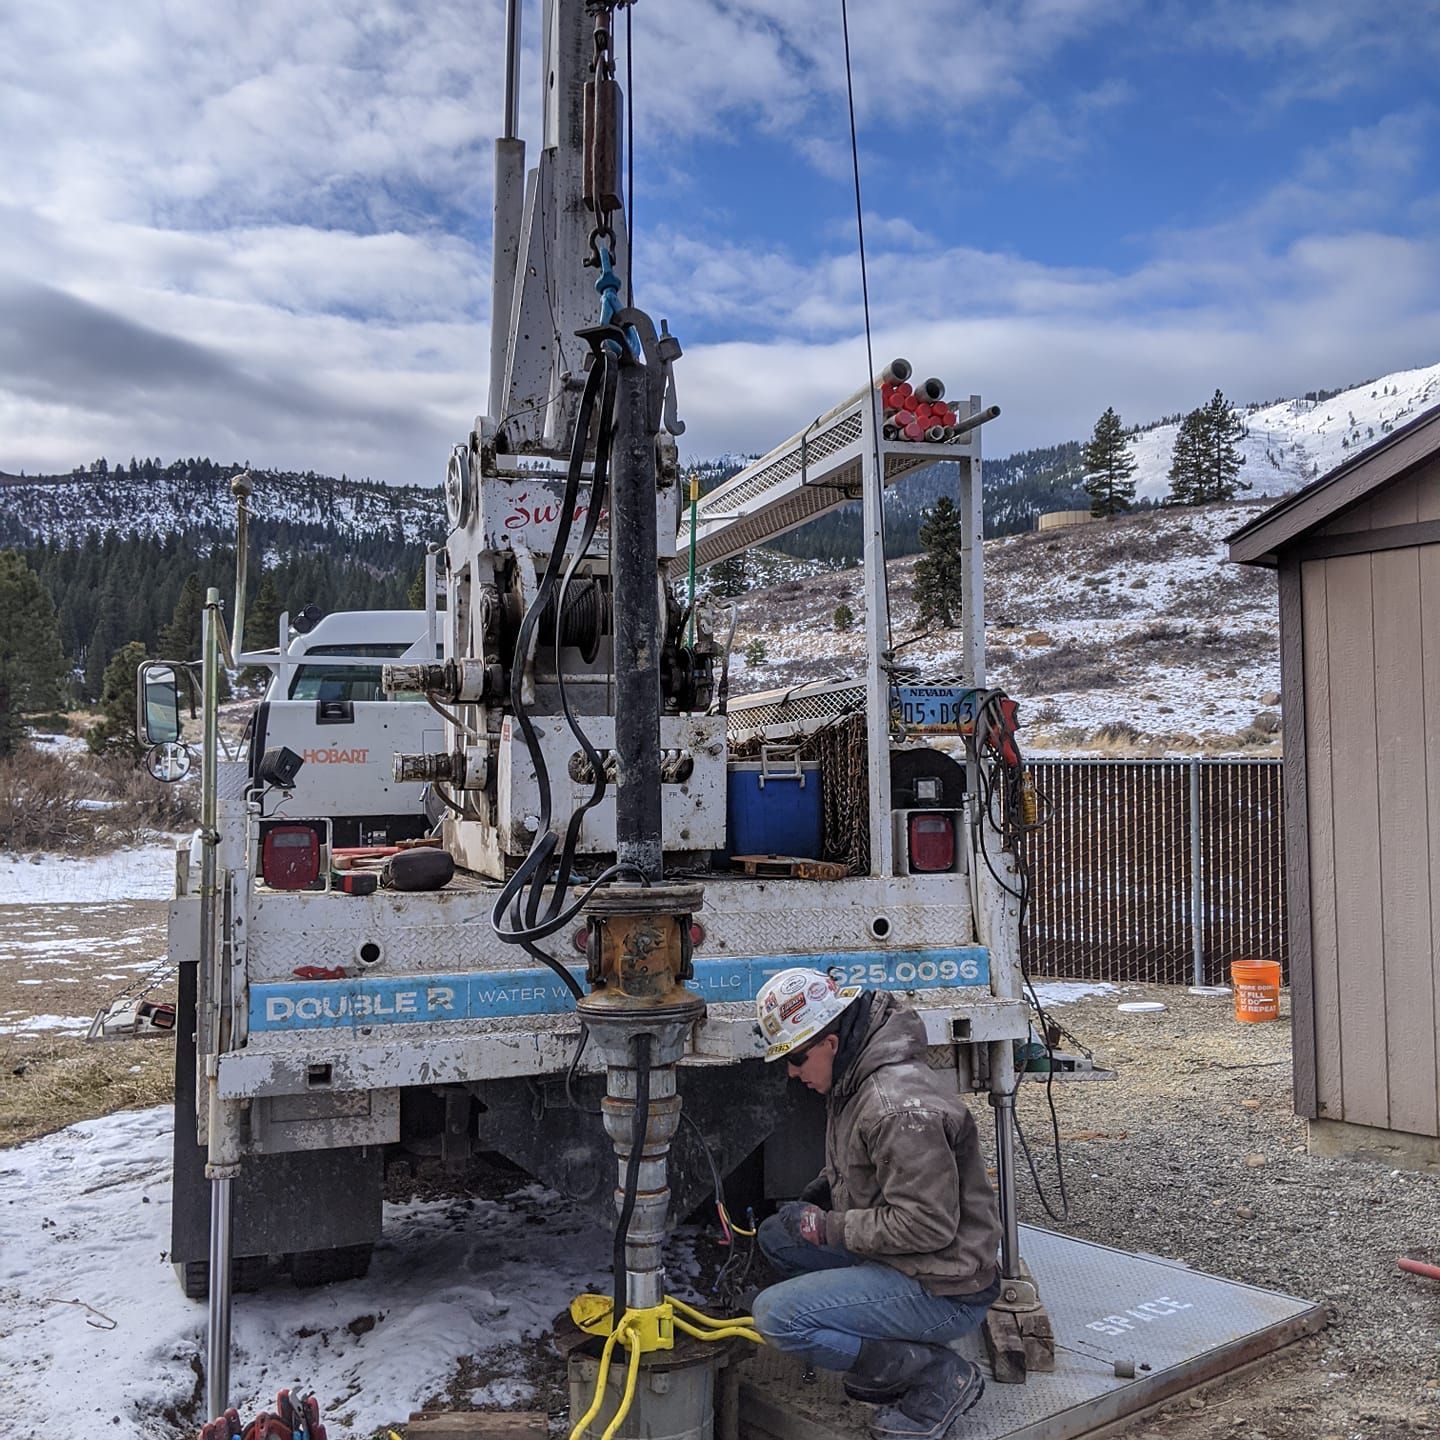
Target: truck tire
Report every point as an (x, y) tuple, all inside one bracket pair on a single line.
[(327, 1267)]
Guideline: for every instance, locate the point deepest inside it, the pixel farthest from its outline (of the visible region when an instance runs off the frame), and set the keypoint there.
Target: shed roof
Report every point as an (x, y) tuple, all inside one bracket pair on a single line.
[(1283, 524)]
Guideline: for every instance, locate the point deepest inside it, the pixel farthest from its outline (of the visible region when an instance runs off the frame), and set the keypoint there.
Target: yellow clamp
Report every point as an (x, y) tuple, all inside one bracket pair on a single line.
[(650, 1329), (642, 1331)]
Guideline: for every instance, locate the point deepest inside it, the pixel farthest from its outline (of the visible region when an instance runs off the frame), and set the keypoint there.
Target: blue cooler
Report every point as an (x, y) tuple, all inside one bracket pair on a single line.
[(773, 807)]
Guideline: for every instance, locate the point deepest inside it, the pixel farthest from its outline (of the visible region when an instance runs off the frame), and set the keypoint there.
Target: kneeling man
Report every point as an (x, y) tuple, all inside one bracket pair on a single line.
[(890, 1253)]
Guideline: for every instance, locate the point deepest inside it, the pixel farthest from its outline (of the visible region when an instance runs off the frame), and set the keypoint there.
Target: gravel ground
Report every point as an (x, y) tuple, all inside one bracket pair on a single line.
[(1195, 1154)]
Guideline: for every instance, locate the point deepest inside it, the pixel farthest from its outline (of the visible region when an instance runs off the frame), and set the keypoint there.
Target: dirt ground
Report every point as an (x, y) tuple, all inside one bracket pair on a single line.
[(58, 965), (1193, 1153)]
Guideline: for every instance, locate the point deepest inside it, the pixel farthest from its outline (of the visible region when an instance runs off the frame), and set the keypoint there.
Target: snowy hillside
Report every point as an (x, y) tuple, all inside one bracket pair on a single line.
[(1134, 636), (66, 508), (1291, 442)]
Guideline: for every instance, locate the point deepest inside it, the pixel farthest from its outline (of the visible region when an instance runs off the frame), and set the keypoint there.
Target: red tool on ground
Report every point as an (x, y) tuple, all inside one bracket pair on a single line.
[(293, 1420)]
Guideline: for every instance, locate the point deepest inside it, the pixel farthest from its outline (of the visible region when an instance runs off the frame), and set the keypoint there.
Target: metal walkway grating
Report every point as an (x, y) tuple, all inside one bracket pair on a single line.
[(1179, 1327)]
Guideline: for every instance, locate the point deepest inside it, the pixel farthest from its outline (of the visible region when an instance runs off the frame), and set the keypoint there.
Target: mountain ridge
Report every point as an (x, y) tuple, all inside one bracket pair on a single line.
[(1287, 444)]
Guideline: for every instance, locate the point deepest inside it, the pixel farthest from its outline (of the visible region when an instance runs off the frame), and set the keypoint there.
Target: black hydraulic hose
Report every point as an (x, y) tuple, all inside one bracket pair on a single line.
[(598, 490), (632, 1170), (545, 840)]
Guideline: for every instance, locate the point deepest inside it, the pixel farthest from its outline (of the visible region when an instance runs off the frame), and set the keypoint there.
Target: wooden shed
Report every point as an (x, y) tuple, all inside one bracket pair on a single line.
[(1358, 555)]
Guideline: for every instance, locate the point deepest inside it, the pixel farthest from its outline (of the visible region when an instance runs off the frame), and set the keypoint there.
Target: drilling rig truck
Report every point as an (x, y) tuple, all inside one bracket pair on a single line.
[(618, 852)]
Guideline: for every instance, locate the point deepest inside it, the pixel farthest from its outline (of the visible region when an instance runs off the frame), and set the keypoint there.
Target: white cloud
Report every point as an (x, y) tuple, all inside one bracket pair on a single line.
[(262, 232)]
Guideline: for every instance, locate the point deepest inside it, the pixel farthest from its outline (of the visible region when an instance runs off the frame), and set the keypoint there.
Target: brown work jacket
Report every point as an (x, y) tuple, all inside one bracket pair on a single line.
[(902, 1155)]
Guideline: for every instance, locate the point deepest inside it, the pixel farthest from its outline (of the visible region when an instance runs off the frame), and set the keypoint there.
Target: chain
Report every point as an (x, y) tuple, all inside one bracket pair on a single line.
[(844, 790)]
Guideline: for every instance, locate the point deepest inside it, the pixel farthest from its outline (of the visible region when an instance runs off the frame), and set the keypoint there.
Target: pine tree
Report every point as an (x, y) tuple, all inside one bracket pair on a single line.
[(262, 624), (1187, 475), (31, 660), (1109, 467), (844, 616), (180, 639), (115, 734), (729, 576), (1222, 460), (939, 571)]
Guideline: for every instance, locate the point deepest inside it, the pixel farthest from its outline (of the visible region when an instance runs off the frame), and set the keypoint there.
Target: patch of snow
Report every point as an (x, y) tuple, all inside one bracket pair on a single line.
[(35, 1024), (1063, 992), (88, 1217), (60, 744), (147, 873)]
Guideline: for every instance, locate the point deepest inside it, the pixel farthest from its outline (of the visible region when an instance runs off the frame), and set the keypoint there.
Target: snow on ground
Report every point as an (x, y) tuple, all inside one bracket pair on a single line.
[(1138, 624), (65, 1024), (145, 873), (1064, 992), (87, 1217)]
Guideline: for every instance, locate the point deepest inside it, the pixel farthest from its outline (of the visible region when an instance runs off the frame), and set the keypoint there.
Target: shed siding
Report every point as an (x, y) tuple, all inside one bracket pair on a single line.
[(1403, 503), (1325, 975), (1371, 626)]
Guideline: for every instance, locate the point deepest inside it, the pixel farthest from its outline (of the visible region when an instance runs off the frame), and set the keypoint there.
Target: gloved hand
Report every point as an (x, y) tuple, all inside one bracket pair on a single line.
[(803, 1221), (817, 1192), (227, 1427)]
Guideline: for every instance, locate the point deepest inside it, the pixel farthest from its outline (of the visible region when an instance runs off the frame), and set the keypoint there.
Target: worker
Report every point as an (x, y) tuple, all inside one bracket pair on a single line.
[(890, 1253)]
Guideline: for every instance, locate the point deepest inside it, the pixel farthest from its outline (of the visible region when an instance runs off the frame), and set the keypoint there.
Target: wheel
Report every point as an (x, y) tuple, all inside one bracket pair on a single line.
[(327, 1267)]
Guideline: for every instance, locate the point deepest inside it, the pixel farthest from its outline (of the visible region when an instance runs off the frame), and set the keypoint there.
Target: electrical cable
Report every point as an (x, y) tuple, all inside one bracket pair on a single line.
[(570, 1075), (638, 1132), (991, 721)]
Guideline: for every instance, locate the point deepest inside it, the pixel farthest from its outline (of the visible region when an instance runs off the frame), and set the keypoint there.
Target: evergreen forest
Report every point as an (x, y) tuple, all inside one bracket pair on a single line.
[(116, 575)]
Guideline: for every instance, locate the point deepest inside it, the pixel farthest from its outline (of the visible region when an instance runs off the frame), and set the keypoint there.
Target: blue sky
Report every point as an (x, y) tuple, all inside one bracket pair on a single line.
[(261, 231)]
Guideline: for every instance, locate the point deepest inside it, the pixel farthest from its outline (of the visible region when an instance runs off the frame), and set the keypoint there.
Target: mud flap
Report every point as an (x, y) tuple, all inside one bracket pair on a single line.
[(293, 1203)]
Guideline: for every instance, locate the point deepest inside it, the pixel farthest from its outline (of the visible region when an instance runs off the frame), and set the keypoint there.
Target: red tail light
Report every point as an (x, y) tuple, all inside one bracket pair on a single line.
[(932, 844), (290, 857)]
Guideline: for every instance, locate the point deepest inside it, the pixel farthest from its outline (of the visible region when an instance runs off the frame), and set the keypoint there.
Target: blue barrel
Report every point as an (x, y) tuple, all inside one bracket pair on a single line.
[(774, 810)]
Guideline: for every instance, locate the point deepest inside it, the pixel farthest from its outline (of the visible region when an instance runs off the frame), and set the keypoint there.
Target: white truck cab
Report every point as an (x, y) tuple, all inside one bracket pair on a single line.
[(324, 703)]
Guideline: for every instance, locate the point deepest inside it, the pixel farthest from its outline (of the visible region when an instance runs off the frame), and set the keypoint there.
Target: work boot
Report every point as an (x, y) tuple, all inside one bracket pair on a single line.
[(886, 1369), (928, 1409)]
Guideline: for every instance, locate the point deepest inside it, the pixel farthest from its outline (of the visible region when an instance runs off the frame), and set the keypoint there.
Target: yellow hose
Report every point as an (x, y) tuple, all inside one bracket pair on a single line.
[(631, 1376), (599, 1400), (701, 1318), (739, 1331)]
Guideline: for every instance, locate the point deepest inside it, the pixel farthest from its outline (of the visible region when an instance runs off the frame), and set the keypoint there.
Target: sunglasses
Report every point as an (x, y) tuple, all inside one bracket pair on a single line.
[(797, 1059)]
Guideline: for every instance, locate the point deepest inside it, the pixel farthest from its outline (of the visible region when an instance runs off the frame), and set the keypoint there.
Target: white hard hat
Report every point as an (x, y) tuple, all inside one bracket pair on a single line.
[(796, 1005)]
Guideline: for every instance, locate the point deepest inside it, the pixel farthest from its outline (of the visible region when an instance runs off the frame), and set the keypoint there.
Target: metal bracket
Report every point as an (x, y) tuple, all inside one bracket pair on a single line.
[(668, 349), (1017, 1295)]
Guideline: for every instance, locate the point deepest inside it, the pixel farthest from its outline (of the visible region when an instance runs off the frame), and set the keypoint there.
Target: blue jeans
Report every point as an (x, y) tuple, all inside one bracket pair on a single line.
[(831, 1300)]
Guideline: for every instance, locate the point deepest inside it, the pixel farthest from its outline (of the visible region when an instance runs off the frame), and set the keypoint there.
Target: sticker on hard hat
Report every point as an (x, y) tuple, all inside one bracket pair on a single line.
[(793, 1005), (819, 991)]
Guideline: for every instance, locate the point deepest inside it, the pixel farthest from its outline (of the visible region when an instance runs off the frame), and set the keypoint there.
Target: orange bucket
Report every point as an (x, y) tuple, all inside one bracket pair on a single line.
[(1257, 989)]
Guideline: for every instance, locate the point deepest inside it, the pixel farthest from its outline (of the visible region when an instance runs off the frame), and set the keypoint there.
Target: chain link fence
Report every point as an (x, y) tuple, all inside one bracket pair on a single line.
[(1161, 871)]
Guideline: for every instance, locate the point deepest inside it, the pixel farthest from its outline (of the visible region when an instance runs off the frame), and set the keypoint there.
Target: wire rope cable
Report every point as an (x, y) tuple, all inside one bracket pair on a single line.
[(865, 299)]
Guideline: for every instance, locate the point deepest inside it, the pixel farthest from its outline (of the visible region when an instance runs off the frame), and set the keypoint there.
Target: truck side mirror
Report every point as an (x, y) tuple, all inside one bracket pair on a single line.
[(157, 704)]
